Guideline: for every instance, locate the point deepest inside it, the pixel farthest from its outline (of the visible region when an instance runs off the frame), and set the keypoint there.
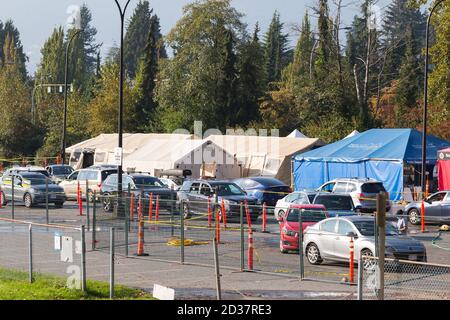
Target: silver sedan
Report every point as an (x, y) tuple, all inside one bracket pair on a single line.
[(330, 240)]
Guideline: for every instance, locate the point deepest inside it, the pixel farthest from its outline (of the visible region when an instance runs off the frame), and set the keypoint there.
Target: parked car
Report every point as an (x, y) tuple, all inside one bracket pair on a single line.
[(194, 196), (30, 189), (170, 183), (94, 176), (290, 226), (34, 169), (437, 209), (337, 204), (297, 197), (59, 172), (265, 189), (330, 238), (138, 183), (362, 190)]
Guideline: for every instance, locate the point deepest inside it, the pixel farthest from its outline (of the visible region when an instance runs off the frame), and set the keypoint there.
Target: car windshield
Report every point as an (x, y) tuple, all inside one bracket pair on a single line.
[(62, 170), (147, 182), (308, 215), (367, 228), (227, 189), (36, 181), (337, 203)]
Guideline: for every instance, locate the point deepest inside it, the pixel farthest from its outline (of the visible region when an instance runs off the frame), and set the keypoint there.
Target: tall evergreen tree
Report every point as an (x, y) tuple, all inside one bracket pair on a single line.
[(8, 30), (276, 49)]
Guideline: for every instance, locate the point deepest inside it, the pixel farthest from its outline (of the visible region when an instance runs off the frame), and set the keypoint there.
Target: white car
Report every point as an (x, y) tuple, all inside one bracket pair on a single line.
[(297, 197), (170, 183)]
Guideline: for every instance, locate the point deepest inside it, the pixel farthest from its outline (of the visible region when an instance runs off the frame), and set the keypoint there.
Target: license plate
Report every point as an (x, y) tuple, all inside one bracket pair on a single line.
[(413, 257)]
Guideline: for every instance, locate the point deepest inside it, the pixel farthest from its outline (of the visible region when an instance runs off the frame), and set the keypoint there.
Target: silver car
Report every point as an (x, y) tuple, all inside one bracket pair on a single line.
[(437, 209), (330, 240)]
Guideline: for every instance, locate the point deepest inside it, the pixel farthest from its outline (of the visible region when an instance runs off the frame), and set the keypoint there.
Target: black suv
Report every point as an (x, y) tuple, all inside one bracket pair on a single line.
[(138, 183), (194, 196)]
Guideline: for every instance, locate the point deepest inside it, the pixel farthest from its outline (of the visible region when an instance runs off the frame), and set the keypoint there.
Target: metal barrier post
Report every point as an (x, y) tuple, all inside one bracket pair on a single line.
[(87, 205), (300, 245), (127, 218), (172, 209), (182, 238), (360, 277), (217, 267), (30, 252), (46, 201), (381, 226), (241, 221), (94, 220), (83, 259), (111, 262), (12, 197)]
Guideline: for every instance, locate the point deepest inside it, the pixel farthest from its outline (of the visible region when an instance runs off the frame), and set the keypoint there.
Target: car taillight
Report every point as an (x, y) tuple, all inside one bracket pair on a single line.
[(362, 195)]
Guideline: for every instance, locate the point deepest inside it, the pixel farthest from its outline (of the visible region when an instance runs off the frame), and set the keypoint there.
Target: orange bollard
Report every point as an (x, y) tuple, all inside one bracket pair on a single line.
[(150, 207), (224, 215), (217, 226), (140, 209), (422, 219), (352, 261), (80, 200), (209, 213), (264, 218), (132, 207), (140, 249), (250, 250), (1, 200), (157, 208)]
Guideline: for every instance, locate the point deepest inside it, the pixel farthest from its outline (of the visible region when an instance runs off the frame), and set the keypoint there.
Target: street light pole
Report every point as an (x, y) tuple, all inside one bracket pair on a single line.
[(66, 74), (425, 103), (120, 124)]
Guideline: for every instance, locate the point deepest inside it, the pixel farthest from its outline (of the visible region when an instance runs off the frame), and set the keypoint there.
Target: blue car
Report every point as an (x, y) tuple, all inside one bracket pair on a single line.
[(265, 189)]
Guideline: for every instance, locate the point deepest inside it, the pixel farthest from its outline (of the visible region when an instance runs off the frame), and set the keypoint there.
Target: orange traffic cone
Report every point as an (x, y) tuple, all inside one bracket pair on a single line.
[(140, 249)]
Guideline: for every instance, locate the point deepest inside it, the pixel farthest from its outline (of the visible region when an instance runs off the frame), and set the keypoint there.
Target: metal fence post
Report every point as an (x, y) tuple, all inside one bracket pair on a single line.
[(241, 221), (217, 267), (111, 263), (46, 201), (87, 205), (12, 197), (182, 238), (94, 221), (381, 226), (127, 218), (30, 252), (83, 258), (300, 245), (172, 209), (360, 277)]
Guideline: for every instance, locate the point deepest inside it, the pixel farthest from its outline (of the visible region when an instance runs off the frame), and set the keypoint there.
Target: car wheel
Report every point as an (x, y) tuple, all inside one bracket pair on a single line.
[(107, 203), (3, 199), (313, 254), (186, 211), (367, 259), (59, 204), (28, 200), (282, 249), (414, 216)]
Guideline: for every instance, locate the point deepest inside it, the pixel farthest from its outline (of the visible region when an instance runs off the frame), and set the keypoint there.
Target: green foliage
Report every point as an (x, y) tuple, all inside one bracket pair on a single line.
[(10, 32)]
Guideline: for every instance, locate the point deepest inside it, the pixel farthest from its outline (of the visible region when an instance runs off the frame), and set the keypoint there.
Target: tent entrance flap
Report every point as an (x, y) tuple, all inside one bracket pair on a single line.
[(312, 174)]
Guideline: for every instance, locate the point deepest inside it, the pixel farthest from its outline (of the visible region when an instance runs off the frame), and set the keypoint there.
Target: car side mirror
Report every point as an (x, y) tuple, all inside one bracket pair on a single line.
[(358, 208), (352, 234)]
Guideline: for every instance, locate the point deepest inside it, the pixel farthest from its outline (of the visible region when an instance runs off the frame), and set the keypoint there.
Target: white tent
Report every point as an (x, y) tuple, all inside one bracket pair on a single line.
[(352, 134), (265, 155), (296, 134)]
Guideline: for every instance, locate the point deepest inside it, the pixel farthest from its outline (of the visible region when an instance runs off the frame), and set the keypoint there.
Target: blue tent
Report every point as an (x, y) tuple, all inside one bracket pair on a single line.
[(378, 153)]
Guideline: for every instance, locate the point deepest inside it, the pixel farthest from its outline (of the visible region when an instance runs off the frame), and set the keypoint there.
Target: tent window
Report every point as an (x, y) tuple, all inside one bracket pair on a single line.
[(271, 166), (75, 156)]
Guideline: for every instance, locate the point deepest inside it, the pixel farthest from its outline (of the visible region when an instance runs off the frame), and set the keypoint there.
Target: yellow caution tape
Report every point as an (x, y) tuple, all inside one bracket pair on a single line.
[(176, 242)]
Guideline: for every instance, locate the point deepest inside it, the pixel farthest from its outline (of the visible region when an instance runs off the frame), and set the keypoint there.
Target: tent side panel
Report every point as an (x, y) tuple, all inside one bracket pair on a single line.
[(390, 173), (309, 174), (443, 174), (346, 170)]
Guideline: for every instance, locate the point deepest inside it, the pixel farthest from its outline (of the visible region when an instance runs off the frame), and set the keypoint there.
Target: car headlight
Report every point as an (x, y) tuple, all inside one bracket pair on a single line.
[(289, 233)]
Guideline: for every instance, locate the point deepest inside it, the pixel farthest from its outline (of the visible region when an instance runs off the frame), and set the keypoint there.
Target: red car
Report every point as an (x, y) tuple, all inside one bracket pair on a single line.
[(289, 225)]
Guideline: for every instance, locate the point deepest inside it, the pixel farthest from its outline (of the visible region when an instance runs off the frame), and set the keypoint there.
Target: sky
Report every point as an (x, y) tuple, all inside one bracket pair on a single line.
[(36, 19)]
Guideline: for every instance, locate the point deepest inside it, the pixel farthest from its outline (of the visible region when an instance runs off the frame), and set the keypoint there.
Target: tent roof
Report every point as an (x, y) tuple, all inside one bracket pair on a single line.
[(296, 134), (131, 141), (242, 145), (386, 144)]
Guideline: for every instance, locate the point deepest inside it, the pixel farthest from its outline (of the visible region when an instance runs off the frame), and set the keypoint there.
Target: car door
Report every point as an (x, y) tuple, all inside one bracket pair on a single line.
[(327, 187), (70, 185), (193, 196), (325, 238), (6, 186), (340, 187), (342, 241), (434, 206), (205, 192), (19, 188), (445, 208)]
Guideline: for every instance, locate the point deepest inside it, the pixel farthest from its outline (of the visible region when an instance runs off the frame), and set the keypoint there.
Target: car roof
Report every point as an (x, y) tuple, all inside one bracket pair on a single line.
[(267, 181), (307, 206), (355, 179), (327, 194), (356, 218), (31, 175)]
